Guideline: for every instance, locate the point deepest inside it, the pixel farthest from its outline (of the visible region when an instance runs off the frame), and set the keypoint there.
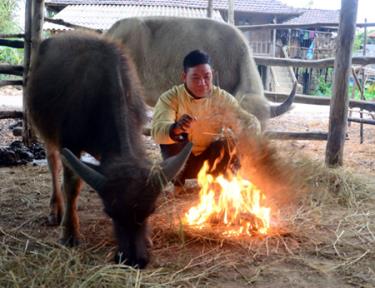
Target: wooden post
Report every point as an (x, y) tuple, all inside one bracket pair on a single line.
[(363, 83), (340, 100), (274, 39), (26, 64), (231, 12), (34, 12), (210, 8)]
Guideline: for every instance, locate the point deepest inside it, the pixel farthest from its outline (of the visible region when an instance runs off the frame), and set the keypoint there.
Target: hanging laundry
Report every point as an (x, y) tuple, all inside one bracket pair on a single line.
[(310, 51), (306, 35)]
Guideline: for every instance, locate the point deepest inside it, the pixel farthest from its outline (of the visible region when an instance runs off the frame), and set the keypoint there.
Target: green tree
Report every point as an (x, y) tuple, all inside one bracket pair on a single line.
[(7, 16)]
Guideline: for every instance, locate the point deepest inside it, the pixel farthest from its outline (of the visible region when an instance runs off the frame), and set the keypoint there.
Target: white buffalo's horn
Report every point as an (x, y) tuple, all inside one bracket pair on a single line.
[(286, 105)]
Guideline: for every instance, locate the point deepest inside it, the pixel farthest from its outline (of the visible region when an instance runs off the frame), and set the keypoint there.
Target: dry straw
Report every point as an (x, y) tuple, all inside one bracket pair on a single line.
[(323, 235)]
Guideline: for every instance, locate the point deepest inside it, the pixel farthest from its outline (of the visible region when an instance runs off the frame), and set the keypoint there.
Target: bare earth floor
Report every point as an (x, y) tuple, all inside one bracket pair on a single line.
[(323, 237)]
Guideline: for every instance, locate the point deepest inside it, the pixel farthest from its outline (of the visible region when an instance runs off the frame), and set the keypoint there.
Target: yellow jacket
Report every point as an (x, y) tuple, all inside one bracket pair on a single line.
[(212, 114)]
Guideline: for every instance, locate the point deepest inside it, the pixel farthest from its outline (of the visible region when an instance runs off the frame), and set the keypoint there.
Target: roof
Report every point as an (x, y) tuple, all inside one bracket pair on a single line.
[(311, 16), (104, 16), (253, 6)]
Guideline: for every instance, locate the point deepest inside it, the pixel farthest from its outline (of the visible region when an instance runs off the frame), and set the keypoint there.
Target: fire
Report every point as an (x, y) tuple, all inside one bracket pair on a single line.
[(234, 203)]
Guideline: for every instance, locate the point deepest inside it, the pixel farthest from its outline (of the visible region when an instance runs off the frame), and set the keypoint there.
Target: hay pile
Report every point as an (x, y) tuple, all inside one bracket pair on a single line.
[(324, 237)]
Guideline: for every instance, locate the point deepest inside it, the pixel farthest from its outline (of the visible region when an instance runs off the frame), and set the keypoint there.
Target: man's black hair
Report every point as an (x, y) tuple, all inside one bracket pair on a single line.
[(194, 58)]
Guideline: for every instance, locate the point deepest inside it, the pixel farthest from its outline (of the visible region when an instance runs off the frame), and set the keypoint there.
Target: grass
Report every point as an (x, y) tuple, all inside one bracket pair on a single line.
[(322, 236)]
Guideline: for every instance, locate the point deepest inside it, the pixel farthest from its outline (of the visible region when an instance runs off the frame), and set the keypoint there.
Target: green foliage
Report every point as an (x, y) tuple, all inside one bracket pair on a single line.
[(11, 55), (359, 40), (369, 92), (371, 88), (7, 21), (323, 88)]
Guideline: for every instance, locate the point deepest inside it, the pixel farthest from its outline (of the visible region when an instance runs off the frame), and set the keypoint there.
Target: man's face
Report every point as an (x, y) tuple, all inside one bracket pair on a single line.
[(198, 80)]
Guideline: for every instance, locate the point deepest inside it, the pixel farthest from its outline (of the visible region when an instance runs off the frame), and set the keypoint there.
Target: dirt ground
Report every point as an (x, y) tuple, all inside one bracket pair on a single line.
[(324, 239)]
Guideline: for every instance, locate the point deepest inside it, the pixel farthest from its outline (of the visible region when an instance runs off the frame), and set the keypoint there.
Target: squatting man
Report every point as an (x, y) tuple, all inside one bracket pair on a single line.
[(199, 112)]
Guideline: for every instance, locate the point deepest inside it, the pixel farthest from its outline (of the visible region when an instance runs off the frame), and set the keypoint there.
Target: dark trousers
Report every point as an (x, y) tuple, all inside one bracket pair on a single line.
[(218, 153)]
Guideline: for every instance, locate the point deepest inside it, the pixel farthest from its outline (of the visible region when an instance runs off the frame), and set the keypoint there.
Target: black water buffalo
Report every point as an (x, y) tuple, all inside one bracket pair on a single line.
[(158, 45), (84, 95)]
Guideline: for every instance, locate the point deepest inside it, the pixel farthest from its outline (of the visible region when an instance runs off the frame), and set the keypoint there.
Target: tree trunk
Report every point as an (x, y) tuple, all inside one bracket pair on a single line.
[(340, 100)]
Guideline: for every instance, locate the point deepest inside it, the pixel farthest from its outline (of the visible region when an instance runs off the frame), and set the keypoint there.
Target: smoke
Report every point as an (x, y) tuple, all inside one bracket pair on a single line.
[(274, 175)]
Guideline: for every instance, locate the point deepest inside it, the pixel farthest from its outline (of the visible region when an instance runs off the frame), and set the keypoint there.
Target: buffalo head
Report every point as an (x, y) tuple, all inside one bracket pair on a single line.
[(129, 190)]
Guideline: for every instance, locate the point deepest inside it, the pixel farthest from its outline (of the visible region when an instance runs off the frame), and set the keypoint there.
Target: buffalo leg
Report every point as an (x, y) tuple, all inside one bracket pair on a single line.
[(56, 205), (70, 223)]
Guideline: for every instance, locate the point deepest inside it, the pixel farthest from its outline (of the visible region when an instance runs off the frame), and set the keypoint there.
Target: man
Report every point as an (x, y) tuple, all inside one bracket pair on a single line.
[(199, 112)]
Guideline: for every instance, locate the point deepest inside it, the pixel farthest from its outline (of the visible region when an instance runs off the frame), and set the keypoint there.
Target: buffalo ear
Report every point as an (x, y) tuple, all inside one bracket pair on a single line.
[(92, 177), (172, 166)]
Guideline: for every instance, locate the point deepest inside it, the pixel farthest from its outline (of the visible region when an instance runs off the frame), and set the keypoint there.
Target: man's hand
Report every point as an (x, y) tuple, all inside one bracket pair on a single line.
[(181, 126)]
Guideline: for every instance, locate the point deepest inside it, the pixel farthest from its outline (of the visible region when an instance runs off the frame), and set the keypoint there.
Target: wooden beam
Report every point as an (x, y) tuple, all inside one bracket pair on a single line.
[(12, 35), (362, 121), (318, 100), (296, 135), (322, 63), (10, 82), (10, 114), (340, 99), (11, 69), (70, 25), (297, 26), (11, 43)]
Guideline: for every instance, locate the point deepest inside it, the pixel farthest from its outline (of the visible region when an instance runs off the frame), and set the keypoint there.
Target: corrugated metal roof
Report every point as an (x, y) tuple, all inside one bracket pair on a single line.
[(104, 16), (255, 6), (311, 16)]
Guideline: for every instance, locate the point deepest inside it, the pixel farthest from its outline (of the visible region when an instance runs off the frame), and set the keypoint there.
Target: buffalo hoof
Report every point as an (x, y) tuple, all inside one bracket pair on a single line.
[(69, 241), (139, 263)]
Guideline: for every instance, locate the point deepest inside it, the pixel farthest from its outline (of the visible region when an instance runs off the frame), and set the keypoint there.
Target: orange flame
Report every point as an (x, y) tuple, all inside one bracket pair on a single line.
[(234, 203)]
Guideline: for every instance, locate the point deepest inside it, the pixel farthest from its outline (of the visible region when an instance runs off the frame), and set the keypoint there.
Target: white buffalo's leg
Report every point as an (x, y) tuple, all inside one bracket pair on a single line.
[(70, 223), (56, 205)]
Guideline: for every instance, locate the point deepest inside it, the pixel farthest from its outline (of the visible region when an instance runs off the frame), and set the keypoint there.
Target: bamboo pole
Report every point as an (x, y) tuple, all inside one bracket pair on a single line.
[(362, 121), (318, 100), (10, 82), (11, 69), (322, 63), (12, 35), (10, 114), (340, 100), (11, 43), (297, 26), (363, 84)]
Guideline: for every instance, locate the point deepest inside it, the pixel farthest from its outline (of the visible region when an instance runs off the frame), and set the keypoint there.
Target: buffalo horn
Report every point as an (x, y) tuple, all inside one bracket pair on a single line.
[(173, 165), (88, 174), (285, 106)]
